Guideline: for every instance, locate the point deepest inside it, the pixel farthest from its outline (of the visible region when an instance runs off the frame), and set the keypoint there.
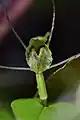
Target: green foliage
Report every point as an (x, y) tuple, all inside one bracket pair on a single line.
[(65, 78), (32, 109), (29, 109)]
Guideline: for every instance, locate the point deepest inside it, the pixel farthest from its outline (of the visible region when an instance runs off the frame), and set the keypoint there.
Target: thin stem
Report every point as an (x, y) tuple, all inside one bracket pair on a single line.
[(64, 61), (15, 68), (41, 86), (17, 36), (50, 37), (55, 65)]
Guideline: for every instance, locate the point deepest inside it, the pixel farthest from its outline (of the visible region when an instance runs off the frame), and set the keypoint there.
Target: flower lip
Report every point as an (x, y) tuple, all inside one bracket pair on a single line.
[(38, 49)]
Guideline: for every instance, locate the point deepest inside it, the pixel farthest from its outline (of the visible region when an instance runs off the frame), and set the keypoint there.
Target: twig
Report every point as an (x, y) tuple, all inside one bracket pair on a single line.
[(55, 65), (15, 68), (64, 61), (52, 28), (17, 36)]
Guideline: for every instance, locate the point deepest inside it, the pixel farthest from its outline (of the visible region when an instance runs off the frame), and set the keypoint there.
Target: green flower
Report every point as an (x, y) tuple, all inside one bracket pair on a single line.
[(38, 54)]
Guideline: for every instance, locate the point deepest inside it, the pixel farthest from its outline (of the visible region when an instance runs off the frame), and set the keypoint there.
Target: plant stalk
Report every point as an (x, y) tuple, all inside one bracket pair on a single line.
[(41, 86)]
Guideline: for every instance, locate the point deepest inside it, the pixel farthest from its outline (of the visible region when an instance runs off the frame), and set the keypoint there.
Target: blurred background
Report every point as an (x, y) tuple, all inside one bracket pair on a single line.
[(32, 18)]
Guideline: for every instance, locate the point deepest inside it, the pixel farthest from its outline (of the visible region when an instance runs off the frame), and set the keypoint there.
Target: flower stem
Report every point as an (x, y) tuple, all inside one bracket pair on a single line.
[(41, 86)]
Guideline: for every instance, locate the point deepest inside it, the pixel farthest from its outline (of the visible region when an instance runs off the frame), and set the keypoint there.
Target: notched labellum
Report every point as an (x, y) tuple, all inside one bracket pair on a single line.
[(38, 54)]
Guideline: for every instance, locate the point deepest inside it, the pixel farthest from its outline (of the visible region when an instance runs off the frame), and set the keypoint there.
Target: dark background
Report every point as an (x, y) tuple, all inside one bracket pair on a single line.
[(37, 21)]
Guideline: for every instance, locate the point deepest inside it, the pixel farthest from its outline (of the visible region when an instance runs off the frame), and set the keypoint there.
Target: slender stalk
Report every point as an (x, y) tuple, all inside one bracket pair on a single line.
[(55, 65), (52, 28), (15, 68), (17, 36), (41, 86), (66, 60)]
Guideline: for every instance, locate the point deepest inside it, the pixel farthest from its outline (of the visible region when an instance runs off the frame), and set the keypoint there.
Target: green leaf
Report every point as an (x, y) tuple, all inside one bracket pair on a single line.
[(32, 109), (27, 109), (64, 79), (61, 111)]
